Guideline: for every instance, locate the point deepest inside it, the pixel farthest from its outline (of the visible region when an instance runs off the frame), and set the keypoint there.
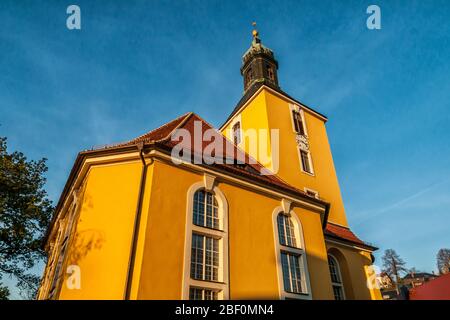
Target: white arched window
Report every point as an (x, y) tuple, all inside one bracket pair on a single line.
[(291, 257), (206, 247), (336, 278)]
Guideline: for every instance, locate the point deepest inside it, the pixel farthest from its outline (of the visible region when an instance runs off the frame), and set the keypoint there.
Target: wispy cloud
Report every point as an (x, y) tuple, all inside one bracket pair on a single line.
[(400, 203)]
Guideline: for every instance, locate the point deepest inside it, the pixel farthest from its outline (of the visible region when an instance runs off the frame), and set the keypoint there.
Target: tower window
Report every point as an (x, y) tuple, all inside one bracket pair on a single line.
[(270, 73), (306, 161), (336, 279), (298, 123), (237, 133), (249, 76)]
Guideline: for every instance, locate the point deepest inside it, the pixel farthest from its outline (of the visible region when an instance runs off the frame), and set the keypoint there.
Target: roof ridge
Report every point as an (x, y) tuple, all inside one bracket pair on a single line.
[(274, 175), (161, 126), (182, 122)]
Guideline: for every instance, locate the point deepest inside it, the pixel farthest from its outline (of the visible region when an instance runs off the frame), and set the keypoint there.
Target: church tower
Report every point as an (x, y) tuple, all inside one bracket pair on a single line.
[(303, 156)]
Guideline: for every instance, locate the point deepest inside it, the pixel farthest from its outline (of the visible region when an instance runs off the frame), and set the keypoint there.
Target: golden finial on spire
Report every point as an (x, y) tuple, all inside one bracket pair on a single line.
[(255, 32)]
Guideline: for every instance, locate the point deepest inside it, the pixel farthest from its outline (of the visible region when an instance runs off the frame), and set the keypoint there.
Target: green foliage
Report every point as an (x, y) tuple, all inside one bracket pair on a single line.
[(25, 214), (4, 292)]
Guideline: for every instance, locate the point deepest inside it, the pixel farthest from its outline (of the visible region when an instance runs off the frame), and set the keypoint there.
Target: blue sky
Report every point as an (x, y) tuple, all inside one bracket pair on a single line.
[(137, 64)]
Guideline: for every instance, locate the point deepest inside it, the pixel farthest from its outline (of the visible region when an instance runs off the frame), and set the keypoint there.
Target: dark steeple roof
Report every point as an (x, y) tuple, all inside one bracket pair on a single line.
[(259, 64)]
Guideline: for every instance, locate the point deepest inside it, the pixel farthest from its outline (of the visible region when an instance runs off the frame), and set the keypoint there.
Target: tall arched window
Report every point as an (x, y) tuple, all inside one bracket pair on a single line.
[(336, 278), (291, 257), (206, 251)]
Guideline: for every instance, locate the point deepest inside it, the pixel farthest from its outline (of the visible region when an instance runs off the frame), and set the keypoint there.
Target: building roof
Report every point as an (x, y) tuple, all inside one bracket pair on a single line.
[(343, 233), (248, 170), (415, 275), (436, 289), (248, 167)]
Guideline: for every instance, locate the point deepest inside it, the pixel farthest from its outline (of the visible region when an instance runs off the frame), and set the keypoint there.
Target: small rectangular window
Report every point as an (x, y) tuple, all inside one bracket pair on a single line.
[(237, 133), (292, 278), (298, 123), (338, 294), (312, 193), (202, 294), (204, 258), (306, 166)]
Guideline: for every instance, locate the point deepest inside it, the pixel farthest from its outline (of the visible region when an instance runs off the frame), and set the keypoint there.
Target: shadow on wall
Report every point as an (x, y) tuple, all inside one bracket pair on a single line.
[(345, 273), (85, 242)]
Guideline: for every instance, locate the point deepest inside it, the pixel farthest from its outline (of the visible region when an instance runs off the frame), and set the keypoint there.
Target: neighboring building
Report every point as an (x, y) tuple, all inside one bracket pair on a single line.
[(409, 281), (434, 289), (131, 224), (387, 287), (384, 281), (415, 279)]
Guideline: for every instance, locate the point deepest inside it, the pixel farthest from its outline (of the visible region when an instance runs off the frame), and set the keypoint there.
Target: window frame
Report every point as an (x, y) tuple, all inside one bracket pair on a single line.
[(308, 191), (221, 285), (299, 251), (203, 292), (56, 272), (309, 159), (297, 109), (334, 284), (214, 205), (237, 133)]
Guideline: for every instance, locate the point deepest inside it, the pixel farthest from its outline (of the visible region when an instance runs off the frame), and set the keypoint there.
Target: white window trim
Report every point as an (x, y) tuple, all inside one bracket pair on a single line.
[(65, 231), (313, 191), (222, 285), (301, 250), (293, 107), (309, 160), (235, 120), (340, 277)]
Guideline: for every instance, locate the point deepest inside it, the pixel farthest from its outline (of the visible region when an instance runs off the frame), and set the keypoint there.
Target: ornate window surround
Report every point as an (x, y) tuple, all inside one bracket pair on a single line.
[(302, 141), (221, 285), (300, 250)]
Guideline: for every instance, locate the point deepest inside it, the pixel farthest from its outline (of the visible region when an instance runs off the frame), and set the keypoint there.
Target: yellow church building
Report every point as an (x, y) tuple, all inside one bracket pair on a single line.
[(142, 220)]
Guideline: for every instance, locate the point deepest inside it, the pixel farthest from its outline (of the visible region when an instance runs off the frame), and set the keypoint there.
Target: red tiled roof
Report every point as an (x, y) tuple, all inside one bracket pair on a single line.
[(436, 289), (249, 168), (344, 233), (158, 133)]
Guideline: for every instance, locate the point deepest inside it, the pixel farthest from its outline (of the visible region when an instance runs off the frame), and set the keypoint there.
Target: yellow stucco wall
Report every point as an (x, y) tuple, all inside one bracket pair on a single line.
[(252, 264), (270, 111), (353, 265), (325, 179), (102, 240)]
